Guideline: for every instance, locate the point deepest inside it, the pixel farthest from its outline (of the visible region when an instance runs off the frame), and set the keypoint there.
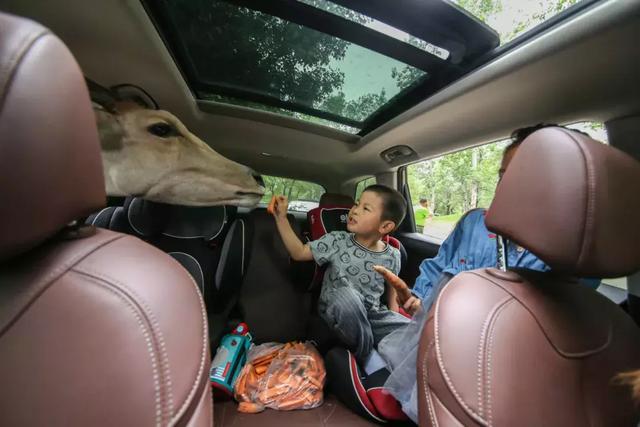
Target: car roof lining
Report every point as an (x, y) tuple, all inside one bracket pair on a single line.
[(519, 88)]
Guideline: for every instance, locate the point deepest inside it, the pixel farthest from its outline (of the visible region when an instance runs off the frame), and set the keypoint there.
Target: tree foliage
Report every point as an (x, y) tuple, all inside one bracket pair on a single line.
[(250, 49), (457, 182), (292, 188)]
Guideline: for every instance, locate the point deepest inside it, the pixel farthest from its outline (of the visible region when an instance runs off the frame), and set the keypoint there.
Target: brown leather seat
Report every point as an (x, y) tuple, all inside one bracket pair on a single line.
[(96, 328), (538, 349)]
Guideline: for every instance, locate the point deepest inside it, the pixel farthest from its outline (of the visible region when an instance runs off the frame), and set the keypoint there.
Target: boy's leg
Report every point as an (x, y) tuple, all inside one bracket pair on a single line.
[(344, 311), (383, 322)]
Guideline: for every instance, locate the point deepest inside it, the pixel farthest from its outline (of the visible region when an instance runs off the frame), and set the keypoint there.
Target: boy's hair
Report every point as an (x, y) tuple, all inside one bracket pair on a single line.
[(394, 207), (519, 135), (423, 200)]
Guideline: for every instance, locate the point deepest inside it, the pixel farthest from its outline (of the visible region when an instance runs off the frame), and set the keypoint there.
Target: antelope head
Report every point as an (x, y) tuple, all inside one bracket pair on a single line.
[(149, 153)]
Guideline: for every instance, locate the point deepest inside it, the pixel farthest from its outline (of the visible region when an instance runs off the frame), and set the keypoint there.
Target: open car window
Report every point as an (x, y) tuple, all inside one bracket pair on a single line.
[(303, 196), (455, 183)]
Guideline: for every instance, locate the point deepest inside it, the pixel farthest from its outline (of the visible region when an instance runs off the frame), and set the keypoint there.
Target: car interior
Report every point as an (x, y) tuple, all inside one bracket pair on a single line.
[(99, 325)]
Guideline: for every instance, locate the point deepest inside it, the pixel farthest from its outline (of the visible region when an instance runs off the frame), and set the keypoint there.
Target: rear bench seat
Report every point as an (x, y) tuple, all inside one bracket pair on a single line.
[(276, 305), (273, 299)]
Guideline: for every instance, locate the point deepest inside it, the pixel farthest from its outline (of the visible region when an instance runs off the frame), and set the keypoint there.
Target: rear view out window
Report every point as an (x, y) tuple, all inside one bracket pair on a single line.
[(362, 185), (444, 188), (303, 196)]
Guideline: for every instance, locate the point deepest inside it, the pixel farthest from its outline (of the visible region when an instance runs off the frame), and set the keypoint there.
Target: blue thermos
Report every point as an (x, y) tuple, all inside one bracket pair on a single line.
[(229, 359)]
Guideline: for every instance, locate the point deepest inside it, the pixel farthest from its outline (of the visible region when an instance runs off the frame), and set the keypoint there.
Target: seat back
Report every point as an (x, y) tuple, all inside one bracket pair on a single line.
[(537, 348), (96, 328), (272, 302)]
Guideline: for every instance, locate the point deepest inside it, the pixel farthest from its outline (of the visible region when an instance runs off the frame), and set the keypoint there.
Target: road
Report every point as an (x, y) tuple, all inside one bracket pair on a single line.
[(438, 230)]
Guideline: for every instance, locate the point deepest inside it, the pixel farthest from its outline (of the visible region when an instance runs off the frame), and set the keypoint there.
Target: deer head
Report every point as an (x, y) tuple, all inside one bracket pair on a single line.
[(149, 153)]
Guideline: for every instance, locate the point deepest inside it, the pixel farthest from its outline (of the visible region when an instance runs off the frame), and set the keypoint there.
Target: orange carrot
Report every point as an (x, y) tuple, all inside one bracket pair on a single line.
[(250, 407), (271, 207), (404, 293)]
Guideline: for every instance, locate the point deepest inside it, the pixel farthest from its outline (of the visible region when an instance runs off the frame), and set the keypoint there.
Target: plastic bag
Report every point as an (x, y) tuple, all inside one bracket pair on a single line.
[(400, 350), (284, 377)]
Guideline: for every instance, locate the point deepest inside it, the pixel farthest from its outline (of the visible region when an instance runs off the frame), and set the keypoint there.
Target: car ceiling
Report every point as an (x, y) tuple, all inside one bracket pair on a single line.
[(586, 68)]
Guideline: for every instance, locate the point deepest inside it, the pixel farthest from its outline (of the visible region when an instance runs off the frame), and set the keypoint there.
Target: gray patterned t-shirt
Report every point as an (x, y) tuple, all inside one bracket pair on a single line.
[(350, 264)]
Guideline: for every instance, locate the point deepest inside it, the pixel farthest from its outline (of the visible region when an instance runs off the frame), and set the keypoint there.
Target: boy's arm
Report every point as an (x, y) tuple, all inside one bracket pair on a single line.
[(297, 250)]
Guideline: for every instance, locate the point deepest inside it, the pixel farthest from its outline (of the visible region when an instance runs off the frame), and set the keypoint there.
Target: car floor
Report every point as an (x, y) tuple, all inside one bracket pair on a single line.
[(331, 414)]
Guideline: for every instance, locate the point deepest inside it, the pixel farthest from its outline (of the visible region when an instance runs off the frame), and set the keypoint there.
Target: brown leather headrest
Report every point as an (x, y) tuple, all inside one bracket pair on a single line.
[(49, 148), (573, 202), (336, 199)]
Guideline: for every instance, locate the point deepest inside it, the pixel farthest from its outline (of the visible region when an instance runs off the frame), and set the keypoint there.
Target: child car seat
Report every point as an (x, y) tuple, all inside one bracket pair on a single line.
[(331, 215), (211, 243)]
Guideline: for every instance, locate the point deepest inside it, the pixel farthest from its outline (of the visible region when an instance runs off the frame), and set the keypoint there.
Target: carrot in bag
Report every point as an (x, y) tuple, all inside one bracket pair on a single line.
[(287, 377), (250, 407)]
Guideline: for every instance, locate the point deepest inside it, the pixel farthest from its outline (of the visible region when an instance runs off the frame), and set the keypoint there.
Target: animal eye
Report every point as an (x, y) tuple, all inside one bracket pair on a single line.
[(162, 130)]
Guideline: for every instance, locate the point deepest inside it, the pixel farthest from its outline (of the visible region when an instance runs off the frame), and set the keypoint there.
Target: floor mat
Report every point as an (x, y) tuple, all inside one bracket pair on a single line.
[(331, 414)]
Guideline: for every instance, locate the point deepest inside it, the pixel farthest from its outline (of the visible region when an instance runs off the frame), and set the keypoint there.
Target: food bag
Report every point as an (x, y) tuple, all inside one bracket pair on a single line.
[(283, 377)]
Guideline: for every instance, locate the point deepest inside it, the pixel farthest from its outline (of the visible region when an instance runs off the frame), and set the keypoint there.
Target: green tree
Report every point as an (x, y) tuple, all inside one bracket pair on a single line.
[(248, 49), (459, 181)]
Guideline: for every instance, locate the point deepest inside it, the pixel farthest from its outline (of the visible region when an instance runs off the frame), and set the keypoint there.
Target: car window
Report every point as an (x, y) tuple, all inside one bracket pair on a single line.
[(452, 184), (362, 185), (303, 196), (618, 282)]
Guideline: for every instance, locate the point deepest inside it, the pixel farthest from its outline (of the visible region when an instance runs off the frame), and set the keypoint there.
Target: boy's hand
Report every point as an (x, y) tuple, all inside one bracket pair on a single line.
[(411, 306), (280, 207), (405, 298)]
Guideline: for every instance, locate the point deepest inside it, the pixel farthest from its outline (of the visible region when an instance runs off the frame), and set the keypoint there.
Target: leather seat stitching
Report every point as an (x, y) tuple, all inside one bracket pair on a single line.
[(589, 219), (489, 352), (157, 335), (135, 309), (445, 409), (425, 384), (205, 336), (439, 357), (479, 380), (542, 329), (53, 276)]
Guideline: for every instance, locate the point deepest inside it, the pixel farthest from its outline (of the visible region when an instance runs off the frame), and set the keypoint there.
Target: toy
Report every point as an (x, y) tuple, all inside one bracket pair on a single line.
[(230, 357)]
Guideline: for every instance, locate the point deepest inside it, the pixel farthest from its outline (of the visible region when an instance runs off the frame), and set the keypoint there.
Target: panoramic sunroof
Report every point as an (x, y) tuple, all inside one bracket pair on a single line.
[(268, 57), (347, 64)]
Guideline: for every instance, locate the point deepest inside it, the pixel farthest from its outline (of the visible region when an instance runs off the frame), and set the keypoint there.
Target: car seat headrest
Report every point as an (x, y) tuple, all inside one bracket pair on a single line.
[(573, 202), (336, 199), (182, 222), (50, 162)]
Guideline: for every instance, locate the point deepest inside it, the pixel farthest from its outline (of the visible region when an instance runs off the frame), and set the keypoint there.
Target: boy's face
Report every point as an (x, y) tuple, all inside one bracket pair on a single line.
[(365, 217)]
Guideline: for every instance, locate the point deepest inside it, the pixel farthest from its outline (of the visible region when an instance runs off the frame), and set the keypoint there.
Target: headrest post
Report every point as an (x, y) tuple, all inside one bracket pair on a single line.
[(501, 247)]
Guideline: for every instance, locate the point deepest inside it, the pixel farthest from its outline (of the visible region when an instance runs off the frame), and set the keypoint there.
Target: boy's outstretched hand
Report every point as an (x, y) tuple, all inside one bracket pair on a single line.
[(278, 207), (407, 301)]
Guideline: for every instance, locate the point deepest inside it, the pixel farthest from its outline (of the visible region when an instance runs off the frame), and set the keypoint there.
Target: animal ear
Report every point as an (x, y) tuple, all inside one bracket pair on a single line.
[(102, 96), (109, 129)]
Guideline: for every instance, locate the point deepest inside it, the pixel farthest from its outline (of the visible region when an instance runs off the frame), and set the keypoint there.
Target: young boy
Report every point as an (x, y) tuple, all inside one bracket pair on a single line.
[(350, 298), (421, 214)]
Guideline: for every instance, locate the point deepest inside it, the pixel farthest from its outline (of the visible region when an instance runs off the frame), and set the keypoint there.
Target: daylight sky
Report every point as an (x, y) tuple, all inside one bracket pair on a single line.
[(366, 72)]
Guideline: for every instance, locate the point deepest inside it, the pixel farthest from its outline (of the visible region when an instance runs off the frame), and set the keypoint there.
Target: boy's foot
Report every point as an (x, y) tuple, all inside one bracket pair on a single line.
[(362, 393)]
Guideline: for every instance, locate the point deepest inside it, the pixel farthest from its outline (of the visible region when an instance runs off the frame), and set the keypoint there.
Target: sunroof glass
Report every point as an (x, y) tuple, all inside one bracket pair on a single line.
[(246, 57), (381, 27)]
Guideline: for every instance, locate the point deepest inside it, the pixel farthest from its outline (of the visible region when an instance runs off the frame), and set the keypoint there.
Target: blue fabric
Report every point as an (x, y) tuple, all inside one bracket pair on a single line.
[(470, 246)]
